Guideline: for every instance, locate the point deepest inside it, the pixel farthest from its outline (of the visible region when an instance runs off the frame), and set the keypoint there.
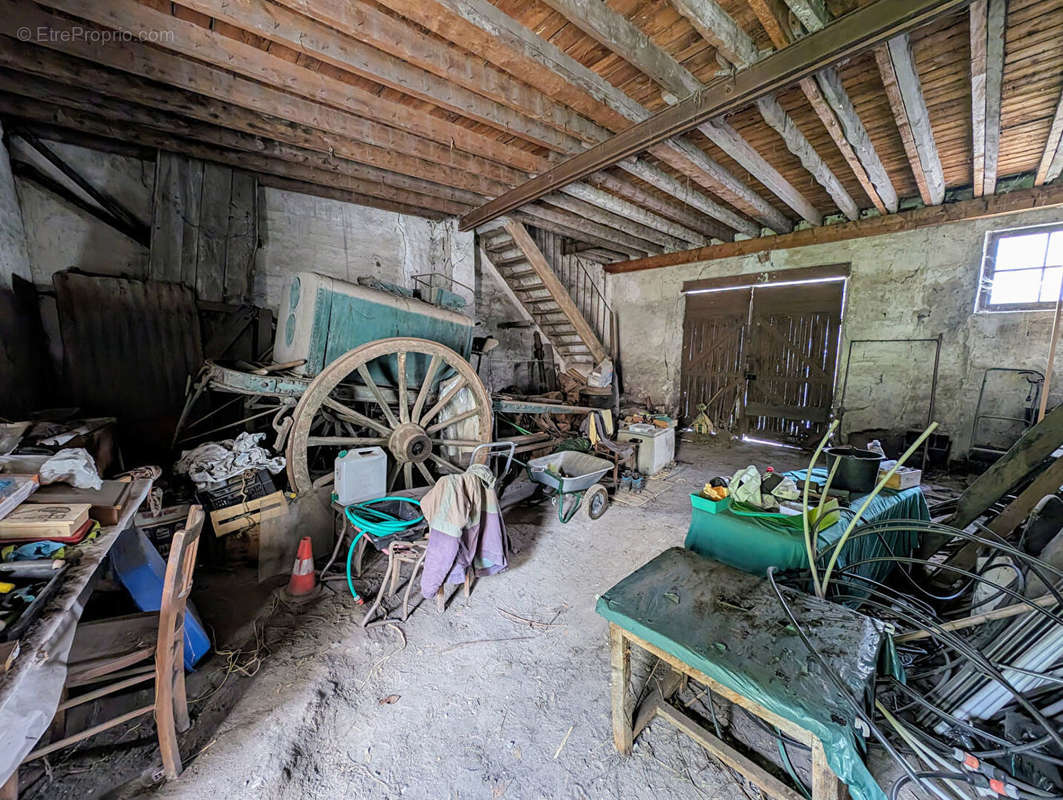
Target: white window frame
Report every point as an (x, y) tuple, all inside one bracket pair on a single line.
[(985, 278)]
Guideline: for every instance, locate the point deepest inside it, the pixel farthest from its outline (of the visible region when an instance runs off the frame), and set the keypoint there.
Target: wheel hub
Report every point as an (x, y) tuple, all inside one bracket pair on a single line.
[(409, 442)]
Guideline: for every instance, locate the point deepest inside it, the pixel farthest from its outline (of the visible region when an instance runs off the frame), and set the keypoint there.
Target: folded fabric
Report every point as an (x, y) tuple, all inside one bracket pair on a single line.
[(466, 529)]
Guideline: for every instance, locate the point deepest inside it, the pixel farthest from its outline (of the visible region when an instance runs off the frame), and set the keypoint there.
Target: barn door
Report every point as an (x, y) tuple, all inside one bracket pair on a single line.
[(791, 355), (713, 368)]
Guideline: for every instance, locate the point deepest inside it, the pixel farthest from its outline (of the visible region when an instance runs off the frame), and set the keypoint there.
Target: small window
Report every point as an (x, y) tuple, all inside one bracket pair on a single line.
[(1022, 269)]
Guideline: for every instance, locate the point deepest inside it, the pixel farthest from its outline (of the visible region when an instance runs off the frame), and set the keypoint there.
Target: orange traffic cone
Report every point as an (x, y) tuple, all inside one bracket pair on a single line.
[(303, 580)]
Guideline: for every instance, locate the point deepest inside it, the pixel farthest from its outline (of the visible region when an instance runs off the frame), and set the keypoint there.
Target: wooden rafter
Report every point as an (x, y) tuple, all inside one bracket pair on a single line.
[(987, 72), (1041, 197), (899, 76), (1052, 159), (849, 35), (612, 30)]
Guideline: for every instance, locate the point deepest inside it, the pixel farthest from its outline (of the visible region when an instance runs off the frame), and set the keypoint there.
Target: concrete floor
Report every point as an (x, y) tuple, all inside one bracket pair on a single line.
[(481, 706), (469, 704)]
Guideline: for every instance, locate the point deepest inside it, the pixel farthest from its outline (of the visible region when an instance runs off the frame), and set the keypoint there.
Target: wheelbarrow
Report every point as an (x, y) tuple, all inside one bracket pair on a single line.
[(575, 476)]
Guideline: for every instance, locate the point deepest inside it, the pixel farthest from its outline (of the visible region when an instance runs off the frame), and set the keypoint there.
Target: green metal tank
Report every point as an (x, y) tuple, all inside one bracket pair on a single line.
[(321, 318)]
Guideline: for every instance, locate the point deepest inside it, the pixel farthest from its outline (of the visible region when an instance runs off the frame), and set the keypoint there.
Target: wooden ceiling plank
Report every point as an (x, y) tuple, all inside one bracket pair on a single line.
[(625, 187), (80, 99), (1040, 197), (371, 144), (343, 195), (979, 16), (710, 20), (617, 205), (377, 47), (282, 88), (994, 78), (1052, 159), (871, 174), (513, 47), (613, 31), (595, 213), (15, 107), (563, 223), (772, 15), (904, 90)]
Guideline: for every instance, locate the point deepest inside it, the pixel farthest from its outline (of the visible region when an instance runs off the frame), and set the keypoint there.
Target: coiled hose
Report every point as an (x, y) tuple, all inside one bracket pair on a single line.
[(377, 523)]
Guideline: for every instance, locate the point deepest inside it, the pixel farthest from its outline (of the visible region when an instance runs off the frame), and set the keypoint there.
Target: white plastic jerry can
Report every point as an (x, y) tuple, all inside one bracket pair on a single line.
[(360, 475)]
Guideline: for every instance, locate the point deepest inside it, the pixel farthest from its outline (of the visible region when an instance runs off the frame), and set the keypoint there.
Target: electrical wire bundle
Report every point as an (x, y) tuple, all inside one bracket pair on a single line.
[(977, 707)]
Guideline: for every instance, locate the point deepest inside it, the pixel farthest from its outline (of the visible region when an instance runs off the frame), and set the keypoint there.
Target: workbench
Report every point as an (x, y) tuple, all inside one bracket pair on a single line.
[(726, 629), (30, 690), (755, 541)]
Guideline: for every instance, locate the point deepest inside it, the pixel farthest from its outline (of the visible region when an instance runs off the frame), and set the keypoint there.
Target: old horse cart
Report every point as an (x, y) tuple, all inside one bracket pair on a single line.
[(342, 377)]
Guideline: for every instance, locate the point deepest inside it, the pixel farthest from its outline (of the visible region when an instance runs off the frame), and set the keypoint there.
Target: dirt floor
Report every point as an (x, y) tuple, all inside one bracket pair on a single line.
[(505, 695)]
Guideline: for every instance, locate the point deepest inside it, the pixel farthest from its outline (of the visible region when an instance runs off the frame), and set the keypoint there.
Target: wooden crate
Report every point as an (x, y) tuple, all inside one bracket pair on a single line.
[(244, 516)]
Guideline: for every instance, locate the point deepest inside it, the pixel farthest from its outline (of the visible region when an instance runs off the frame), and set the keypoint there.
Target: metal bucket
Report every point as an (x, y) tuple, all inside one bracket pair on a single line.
[(858, 470)]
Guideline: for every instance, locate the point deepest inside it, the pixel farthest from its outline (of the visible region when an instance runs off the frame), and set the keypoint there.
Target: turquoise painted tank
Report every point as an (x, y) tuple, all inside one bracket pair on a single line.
[(321, 318)]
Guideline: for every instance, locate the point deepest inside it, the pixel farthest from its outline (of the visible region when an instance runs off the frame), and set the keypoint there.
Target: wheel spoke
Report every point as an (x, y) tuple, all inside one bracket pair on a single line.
[(452, 421), (393, 474), (430, 415), (407, 474), (404, 406), (344, 441), (445, 465), (372, 387), (457, 442), (361, 419), (427, 475), (426, 387)]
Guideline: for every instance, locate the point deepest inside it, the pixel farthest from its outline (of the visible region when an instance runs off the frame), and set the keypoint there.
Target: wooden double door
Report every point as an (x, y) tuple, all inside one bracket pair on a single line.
[(763, 358)]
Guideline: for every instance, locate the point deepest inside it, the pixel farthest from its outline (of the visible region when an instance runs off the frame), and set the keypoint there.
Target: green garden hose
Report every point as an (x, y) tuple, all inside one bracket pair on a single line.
[(377, 523)]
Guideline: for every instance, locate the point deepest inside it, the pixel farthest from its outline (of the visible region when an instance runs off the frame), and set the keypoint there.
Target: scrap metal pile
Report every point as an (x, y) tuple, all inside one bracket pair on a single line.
[(969, 698)]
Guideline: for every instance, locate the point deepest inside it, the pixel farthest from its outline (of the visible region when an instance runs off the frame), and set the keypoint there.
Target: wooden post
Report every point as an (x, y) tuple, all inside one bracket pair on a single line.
[(825, 784), (620, 676), (1051, 356)]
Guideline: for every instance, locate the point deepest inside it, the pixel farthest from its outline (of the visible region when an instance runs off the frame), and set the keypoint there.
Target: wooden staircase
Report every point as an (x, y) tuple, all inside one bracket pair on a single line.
[(512, 253)]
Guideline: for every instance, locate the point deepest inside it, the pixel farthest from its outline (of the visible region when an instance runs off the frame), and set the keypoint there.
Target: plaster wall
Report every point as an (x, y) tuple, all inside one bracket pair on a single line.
[(908, 285), (14, 258), (59, 235)]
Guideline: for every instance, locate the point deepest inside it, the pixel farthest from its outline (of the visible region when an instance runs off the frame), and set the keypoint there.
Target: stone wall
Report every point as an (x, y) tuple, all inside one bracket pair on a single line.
[(906, 285)]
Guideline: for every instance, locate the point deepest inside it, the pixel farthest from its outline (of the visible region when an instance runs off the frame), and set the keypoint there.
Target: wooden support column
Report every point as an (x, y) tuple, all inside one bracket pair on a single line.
[(619, 678)]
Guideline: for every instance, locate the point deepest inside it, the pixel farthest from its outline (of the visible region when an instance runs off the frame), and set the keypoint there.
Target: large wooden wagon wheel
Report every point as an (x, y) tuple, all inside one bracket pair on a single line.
[(347, 407)]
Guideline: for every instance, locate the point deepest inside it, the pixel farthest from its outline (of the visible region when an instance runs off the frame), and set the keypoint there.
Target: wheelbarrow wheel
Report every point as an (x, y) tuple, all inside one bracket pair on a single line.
[(595, 502)]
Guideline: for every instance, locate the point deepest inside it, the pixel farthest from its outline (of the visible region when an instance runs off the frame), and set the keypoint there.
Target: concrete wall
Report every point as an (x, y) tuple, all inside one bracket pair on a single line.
[(906, 285), (14, 258), (59, 235)]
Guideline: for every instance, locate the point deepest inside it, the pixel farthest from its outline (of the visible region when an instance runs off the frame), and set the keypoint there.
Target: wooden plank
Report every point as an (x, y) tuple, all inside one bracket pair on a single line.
[(556, 289), (900, 116), (345, 195), (719, 29), (662, 692), (979, 15), (563, 222), (1048, 482), (408, 61), (190, 174), (917, 116), (994, 79), (241, 237), (260, 83), (849, 35), (811, 13), (619, 678), (652, 239), (164, 254), (1050, 196), (243, 516), (825, 784), (1052, 159), (768, 276), (729, 755), (613, 31), (628, 210)]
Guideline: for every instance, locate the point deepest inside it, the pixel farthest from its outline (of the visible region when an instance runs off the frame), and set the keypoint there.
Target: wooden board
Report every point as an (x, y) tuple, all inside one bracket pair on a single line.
[(244, 516), (107, 503), (38, 521)]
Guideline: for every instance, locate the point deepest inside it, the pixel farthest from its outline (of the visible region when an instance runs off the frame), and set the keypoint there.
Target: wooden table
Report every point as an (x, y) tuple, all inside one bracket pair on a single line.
[(30, 690), (726, 630)]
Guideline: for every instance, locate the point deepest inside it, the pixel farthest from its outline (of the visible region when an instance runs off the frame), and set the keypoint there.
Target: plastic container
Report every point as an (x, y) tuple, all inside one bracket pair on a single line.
[(360, 474), (703, 503), (858, 470), (249, 485)]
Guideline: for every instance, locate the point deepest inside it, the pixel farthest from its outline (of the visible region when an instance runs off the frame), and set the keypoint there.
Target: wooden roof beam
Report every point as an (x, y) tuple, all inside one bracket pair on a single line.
[(672, 231), (813, 15), (1040, 197), (988, 19), (615, 32), (849, 35), (499, 38), (1052, 160), (737, 46), (897, 67), (649, 237)]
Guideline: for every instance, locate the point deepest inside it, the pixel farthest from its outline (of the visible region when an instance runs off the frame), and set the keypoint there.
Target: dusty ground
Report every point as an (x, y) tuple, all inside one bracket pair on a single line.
[(473, 703)]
